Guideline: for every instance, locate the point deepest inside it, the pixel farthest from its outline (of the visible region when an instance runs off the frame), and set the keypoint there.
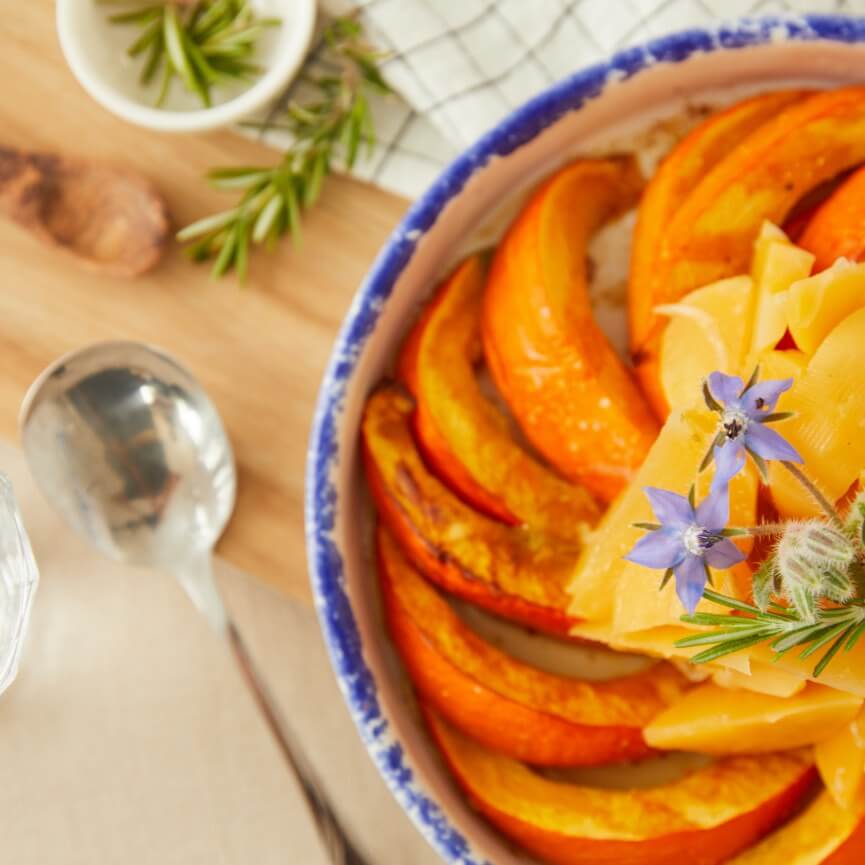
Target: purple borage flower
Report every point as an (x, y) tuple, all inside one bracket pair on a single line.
[(687, 540), (744, 411)]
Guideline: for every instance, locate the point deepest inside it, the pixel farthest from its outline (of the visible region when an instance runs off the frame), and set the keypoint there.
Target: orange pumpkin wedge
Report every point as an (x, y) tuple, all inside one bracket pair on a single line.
[(433, 445), (837, 228), (713, 232), (507, 705), (463, 436), (705, 818), (676, 177), (513, 572), (571, 394), (823, 834), (851, 852)]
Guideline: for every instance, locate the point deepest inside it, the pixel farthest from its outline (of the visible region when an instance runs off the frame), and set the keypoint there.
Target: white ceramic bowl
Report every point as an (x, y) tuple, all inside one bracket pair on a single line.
[(606, 103), (95, 50)]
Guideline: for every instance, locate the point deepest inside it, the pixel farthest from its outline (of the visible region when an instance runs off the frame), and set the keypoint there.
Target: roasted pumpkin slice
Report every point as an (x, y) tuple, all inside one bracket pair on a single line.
[(673, 182), (511, 571), (705, 818), (837, 227), (823, 834), (713, 232), (463, 435), (570, 392), (434, 445), (515, 708)]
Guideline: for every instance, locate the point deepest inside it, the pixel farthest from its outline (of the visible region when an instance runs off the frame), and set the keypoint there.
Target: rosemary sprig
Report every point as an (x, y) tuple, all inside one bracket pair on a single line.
[(202, 44), (782, 628), (330, 127)]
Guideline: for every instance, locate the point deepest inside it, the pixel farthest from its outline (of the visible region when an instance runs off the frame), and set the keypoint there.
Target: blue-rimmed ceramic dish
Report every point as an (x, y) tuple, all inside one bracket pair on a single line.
[(594, 109)]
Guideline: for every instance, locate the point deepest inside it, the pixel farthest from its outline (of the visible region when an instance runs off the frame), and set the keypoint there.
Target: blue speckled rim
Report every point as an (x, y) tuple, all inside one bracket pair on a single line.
[(325, 561)]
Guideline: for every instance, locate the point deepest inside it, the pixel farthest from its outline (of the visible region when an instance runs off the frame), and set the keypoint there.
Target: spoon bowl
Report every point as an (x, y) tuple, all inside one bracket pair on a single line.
[(129, 448), (126, 444)]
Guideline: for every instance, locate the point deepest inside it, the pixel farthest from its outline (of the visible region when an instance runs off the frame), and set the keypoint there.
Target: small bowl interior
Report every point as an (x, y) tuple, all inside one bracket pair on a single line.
[(96, 50), (610, 123)]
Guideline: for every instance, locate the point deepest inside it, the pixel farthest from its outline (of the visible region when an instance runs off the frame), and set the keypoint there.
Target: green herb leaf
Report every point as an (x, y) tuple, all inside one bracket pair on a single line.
[(827, 658), (202, 43), (268, 215), (335, 120), (855, 636), (731, 646), (829, 634)]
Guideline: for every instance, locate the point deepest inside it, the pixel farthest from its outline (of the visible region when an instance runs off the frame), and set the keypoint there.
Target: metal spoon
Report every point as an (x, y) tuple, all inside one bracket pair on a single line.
[(126, 444)]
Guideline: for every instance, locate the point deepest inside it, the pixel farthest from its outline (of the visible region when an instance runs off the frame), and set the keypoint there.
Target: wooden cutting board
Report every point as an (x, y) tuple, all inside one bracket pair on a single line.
[(259, 350)]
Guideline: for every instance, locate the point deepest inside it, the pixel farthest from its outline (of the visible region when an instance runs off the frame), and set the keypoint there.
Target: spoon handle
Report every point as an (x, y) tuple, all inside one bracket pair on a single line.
[(334, 838), (195, 574)]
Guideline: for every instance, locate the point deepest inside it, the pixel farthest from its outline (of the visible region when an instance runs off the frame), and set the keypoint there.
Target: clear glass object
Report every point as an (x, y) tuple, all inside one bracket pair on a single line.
[(19, 577)]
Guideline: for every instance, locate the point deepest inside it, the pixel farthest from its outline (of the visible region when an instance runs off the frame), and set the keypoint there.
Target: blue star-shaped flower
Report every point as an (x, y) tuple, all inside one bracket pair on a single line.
[(745, 410), (687, 540)]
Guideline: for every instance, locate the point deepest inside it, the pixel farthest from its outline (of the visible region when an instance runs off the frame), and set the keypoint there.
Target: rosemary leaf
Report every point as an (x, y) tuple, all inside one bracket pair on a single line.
[(334, 123), (827, 658), (205, 72), (313, 186), (830, 634), (266, 218), (799, 636), (732, 603), (154, 58), (207, 225), (241, 181), (138, 16), (226, 254), (175, 48), (728, 647), (292, 207), (215, 17), (236, 171), (855, 636), (723, 619), (145, 40), (202, 43), (721, 636), (167, 73), (241, 257)]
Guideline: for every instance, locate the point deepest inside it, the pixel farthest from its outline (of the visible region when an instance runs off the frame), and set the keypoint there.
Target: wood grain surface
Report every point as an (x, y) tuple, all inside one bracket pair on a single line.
[(259, 350)]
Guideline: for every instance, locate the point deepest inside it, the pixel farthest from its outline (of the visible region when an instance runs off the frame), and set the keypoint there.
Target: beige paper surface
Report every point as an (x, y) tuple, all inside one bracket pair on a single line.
[(129, 737)]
